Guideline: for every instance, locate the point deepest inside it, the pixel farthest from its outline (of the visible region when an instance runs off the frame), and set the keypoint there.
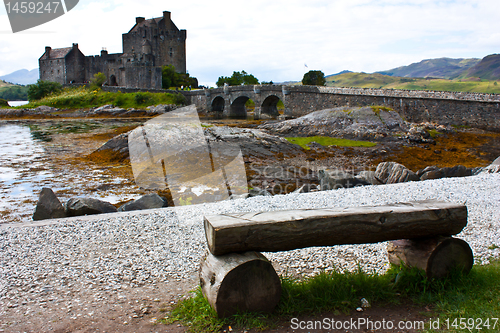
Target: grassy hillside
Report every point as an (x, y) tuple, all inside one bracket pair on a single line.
[(12, 92), (442, 68), (376, 80), (487, 69), (4, 84)]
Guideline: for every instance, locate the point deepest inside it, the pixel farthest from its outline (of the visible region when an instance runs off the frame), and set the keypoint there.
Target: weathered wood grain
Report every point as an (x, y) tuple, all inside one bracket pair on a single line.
[(438, 256), (292, 229), (239, 282)]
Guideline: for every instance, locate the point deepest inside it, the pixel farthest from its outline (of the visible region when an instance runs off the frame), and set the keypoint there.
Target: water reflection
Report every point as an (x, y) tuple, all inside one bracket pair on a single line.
[(28, 164), (19, 154)]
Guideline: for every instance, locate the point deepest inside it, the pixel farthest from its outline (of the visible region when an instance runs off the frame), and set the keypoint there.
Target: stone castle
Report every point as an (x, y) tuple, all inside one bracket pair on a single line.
[(147, 47)]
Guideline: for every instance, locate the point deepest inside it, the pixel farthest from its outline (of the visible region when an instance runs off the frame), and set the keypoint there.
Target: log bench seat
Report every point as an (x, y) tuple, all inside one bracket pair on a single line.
[(235, 276)]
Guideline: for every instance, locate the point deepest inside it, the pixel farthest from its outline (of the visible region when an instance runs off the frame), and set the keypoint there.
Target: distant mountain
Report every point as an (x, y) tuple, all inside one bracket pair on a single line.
[(487, 69), (22, 76), (444, 68), (339, 73)]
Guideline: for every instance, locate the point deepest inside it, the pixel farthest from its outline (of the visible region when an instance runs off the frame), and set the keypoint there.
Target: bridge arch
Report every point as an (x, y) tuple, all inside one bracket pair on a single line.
[(270, 106), (238, 109), (218, 104)]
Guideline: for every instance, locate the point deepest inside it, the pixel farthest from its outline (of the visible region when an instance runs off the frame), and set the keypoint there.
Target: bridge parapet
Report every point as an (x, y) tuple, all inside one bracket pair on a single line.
[(449, 108)]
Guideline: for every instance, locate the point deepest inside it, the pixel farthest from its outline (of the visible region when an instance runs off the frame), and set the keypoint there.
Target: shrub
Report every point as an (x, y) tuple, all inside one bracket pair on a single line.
[(142, 98), (3, 103), (42, 89), (97, 81)]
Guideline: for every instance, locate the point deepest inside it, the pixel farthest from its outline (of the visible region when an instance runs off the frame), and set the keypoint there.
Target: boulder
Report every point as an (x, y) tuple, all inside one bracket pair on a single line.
[(48, 206), (369, 176), (46, 109), (108, 110), (115, 150), (161, 108), (494, 167), (437, 173), (149, 201), (392, 172), (419, 135), (334, 179), (351, 122), (88, 206), (427, 169)]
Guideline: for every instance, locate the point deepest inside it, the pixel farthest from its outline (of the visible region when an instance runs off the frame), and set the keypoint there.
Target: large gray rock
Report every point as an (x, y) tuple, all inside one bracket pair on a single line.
[(116, 148), (392, 172), (369, 176), (88, 206), (46, 109), (48, 206), (149, 201), (161, 108), (494, 167), (419, 135), (334, 179), (434, 172), (359, 122), (108, 110)]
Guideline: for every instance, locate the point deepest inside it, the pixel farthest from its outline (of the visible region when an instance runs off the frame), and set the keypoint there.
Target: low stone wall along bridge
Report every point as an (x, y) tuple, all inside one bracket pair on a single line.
[(449, 108)]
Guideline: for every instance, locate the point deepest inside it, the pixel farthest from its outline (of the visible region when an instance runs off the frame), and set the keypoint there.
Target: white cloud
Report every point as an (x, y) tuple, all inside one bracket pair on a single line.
[(273, 39)]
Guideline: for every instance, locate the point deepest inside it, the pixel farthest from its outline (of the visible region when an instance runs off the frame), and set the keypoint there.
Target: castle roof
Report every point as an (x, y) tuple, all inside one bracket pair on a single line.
[(58, 53), (151, 22)]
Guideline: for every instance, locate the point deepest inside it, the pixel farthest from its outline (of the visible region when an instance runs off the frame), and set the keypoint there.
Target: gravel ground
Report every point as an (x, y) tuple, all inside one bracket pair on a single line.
[(118, 252)]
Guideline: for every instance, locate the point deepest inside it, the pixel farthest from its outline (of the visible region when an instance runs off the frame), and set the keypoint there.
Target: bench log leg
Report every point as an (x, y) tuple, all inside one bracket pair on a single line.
[(239, 282), (436, 255)]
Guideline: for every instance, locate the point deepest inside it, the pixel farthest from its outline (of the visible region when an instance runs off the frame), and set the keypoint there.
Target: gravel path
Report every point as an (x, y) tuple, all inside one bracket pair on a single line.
[(117, 252)]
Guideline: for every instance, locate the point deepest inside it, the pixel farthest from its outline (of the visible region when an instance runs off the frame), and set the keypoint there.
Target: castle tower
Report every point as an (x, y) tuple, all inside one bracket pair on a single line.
[(160, 38)]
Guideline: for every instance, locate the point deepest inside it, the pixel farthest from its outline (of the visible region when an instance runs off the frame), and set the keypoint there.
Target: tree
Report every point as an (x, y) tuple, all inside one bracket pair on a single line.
[(314, 78), (42, 88), (170, 78), (97, 81), (238, 78)]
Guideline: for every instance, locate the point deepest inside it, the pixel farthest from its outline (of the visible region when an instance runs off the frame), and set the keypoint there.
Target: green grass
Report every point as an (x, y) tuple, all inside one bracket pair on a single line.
[(476, 295), (363, 80), (327, 141), (74, 98)]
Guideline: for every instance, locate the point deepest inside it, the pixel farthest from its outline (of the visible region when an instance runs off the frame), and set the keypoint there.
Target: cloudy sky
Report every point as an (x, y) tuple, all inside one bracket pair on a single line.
[(274, 40)]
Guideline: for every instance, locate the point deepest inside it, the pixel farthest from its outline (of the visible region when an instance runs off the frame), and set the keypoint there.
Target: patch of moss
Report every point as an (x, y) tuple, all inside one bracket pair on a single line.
[(450, 150), (328, 141), (377, 108), (433, 133)]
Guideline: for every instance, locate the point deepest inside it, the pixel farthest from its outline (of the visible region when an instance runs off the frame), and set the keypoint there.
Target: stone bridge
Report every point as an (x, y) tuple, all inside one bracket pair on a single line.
[(449, 108)]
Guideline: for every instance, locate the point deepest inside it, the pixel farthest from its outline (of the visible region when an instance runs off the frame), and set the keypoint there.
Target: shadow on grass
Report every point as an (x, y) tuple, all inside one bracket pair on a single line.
[(475, 295)]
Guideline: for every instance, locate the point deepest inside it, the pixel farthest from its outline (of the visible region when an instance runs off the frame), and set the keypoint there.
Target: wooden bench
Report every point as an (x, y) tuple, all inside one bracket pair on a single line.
[(235, 276)]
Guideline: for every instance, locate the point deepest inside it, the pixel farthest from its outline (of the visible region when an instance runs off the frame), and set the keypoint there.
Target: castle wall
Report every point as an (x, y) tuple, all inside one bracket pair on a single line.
[(52, 70), (75, 67)]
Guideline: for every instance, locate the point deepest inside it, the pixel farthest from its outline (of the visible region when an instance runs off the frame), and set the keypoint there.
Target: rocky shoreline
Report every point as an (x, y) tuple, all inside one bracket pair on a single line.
[(266, 143)]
